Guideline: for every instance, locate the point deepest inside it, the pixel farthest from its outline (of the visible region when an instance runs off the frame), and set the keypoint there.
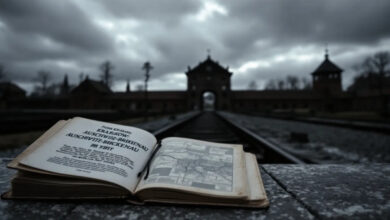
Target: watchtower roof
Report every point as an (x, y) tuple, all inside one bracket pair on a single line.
[(326, 67)]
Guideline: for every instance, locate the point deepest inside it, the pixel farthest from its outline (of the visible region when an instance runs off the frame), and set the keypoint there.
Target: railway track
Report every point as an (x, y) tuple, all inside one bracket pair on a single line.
[(379, 127), (211, 126)]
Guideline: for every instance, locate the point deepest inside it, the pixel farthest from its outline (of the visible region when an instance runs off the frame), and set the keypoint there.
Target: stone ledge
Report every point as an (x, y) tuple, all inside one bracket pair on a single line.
[(295, 192), (358, 191)]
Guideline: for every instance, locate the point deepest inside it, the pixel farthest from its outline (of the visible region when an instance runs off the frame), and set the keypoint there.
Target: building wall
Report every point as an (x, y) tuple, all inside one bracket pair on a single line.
[(238, 101), (209, 76), (327, 83)]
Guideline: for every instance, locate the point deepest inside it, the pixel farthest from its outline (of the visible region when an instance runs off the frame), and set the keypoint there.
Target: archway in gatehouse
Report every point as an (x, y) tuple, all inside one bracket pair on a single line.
[(209, 101)]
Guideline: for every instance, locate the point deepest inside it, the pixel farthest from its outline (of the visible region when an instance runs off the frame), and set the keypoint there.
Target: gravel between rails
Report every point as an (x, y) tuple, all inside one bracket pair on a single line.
[(327, 144)]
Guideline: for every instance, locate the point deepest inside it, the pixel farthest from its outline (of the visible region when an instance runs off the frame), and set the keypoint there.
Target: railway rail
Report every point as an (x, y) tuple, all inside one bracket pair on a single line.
[(380, 127), (212, 126)]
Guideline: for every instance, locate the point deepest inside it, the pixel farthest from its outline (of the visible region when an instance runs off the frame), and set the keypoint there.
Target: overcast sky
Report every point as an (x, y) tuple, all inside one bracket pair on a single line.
[(258, 40)]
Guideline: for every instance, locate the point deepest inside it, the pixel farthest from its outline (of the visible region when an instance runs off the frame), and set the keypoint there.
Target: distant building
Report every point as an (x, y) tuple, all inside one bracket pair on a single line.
[(370, 83), (327, 78), (89, 94), (158, 101), (209, 77), (9, 90), (11, 95)]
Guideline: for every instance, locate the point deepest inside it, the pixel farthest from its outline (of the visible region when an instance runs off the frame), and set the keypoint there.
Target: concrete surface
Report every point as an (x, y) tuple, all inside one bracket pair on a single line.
[(295, 192)]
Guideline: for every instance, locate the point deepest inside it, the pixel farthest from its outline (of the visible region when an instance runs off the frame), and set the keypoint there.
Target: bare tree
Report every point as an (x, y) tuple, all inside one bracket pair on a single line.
[(381, 63), (280, 84), (292, 82), (128, 86), (2, 72), (147, 67), (305, 84), (364, 68), (252, 85), (81, 77), (106, 67), (64, 87), (373, 72), (43, 78), (271, 85)]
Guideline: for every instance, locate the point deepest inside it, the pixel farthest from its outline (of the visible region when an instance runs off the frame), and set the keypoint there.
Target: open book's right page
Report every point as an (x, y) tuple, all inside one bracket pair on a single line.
[(199, 167), (257, 195)]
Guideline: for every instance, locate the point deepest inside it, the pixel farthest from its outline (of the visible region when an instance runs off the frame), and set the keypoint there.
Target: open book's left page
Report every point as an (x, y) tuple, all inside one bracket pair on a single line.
[(15, 163), (93, 149)]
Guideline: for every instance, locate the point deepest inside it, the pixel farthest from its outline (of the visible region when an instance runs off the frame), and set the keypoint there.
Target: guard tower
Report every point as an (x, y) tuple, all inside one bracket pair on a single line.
[(327, 77), (208, 77)]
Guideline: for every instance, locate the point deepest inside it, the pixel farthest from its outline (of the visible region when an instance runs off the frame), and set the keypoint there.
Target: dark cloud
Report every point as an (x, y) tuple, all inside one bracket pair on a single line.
[(61, 22), (169, 11), (76, 36), (346, 21), (46, 32)]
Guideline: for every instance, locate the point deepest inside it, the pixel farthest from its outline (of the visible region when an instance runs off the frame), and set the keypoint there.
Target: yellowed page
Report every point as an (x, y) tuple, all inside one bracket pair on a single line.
[(94, 149), (53, 130), (199, 167), (255, 183)]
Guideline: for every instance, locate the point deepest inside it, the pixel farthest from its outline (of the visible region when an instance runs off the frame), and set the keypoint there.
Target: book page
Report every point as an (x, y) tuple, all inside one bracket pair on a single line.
[(198, 166), (93, 149), (35, 145), (255, 183)]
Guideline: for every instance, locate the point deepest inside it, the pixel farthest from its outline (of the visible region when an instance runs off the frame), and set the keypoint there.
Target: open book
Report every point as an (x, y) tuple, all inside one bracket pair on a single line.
[(86, 159)]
